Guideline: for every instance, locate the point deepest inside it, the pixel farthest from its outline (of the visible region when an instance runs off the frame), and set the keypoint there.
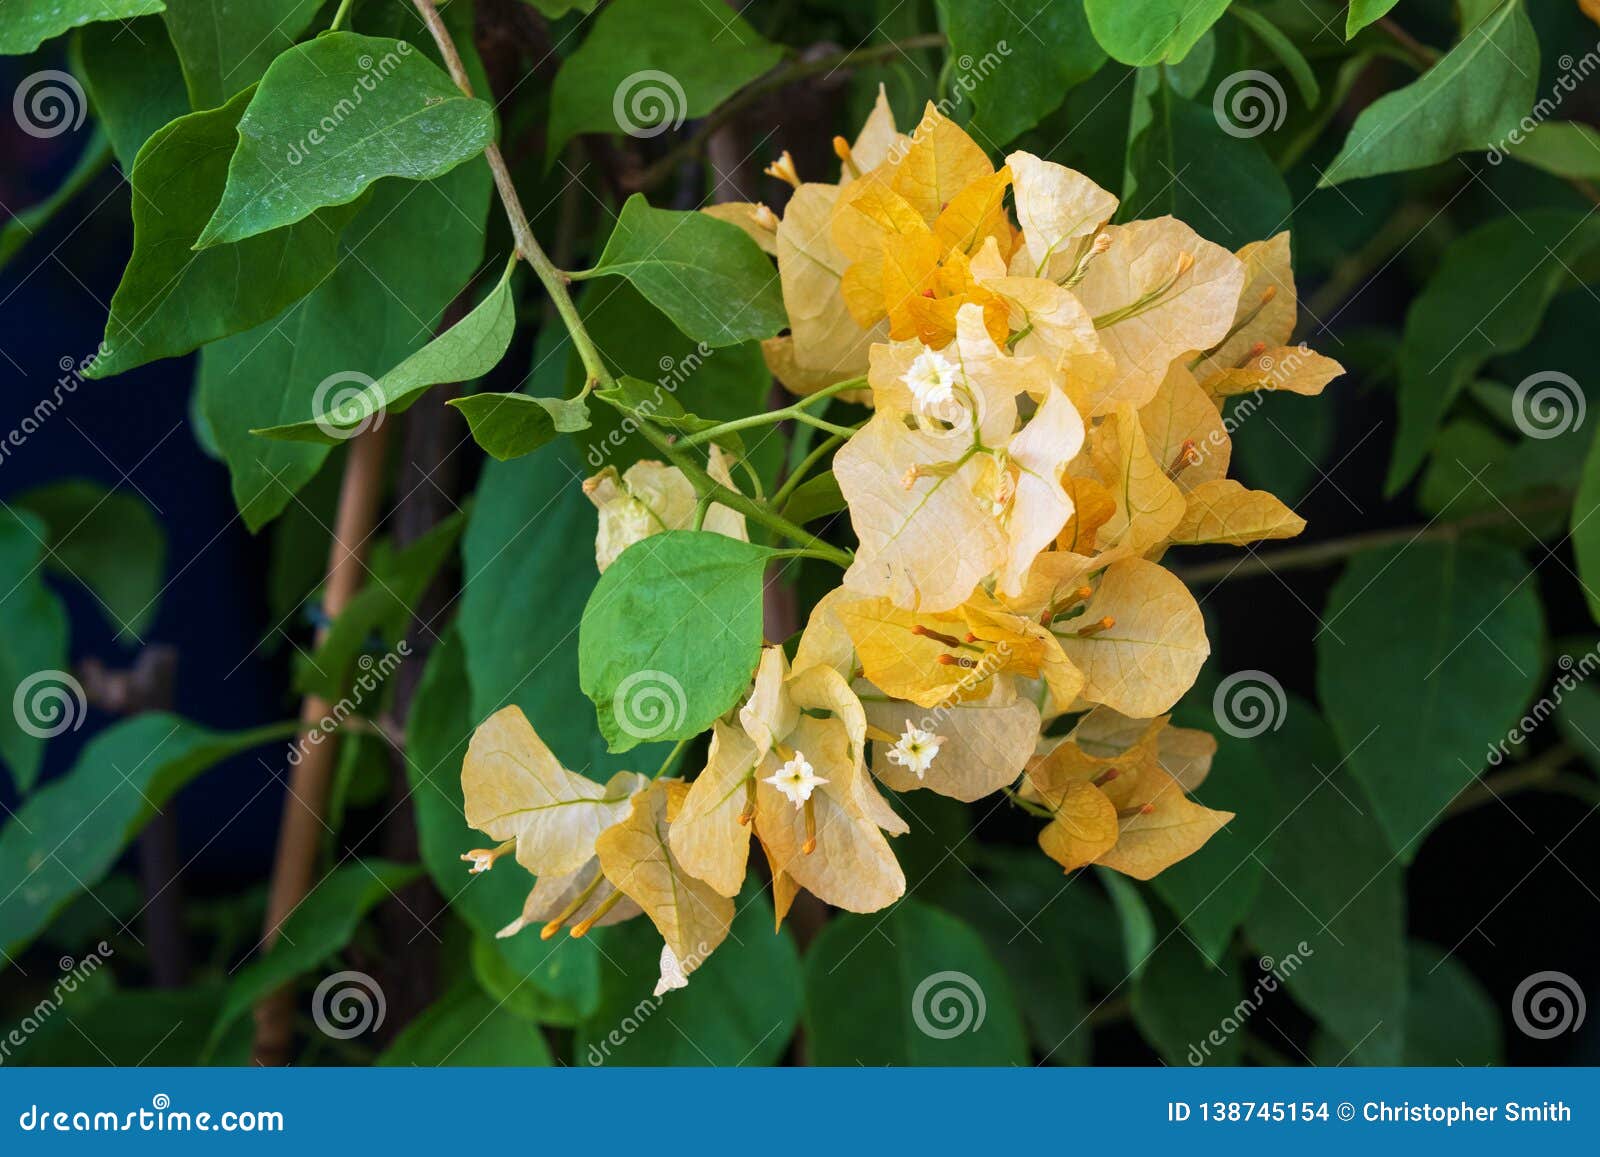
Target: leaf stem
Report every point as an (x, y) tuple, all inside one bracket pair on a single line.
[(340, 14), (805, 466), (672, 758)]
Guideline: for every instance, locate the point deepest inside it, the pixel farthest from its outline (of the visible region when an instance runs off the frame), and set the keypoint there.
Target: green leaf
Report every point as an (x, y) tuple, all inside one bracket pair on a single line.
[(355, 326), (1565, 148), (740, 1007), (909, 986), (706, 275), (1330, 922), (647, 65), (1586, 527), (29, 23), (384, 605), (1183, 164), (1292, 59), (1017, 64), (225, 48), (69, 833), (1428, 653), (671, 635), (134, 81), (1212, 890), (320, 926), (1181, 999), (814, 498), (510, 425), (1475, 95), (1134, 917), (559, 978), (1485, 298), (654, 402), (465, 1028), (1450, 1019), (172, 300), (464, 352), (17, 231), (32, 660), (392, 112), (1365, 12), (511, 575), (107, 540), (1146, 31), (135, 1028)]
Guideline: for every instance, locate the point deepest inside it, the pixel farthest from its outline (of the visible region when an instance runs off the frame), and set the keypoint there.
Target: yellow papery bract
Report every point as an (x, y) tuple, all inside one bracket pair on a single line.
[(554, 895), (986, 743), (1292, 369), (1153, 650), (1186, 754), (926, 545), (1040, 506), (769, 714), (976, 215), (940, 162), (852, 866), (867, 217), (515, 788), (828, 345), (636, 856), (1083, 829), (1265, 314), (1225, 512), (758, 222), (907, 664), (1092, 507), (821, 688), (1053, 325), (1185, 432), (1148, 504), (706, 835), (1158, 292), (825, 639), (1056, 207), (651, 497), (878, 138), (1168, 827)]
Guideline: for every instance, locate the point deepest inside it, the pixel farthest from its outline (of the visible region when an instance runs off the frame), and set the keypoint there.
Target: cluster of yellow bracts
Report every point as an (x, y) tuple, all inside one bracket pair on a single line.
[(1046, 422)]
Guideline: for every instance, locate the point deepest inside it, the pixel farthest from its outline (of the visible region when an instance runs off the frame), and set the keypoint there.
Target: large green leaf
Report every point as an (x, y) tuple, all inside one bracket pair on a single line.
[(910, 986), (67, 835), (1146, 31), (711, 279), (466, 1028), (1016, 63), (44, 700), (464, 352), (1450, 1019), (1181, 999), (1330, 922), (1183, 164), (134, 80), (29, 23), (1565, 148), (1486, 298), (134, 1028), (109, 541), (320, 926), (1428, 654), (646, 65), (356, 326), (671, 635), (173, 300), (1477, 94), (740, 1007), (226, 45), (331, 117), (559, 979)]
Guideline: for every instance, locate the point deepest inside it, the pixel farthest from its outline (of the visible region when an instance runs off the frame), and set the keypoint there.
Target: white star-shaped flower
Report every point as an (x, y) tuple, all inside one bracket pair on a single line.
[(916, 749), (932, 379), (796, 780)]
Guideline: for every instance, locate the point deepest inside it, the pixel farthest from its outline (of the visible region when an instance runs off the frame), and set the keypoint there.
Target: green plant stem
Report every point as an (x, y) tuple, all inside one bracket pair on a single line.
[(340, 14), (672, 758), (768, 418), (554, 280), (1543, 772), (1318, 554), (786, 75), (704, 484), (804, 467)]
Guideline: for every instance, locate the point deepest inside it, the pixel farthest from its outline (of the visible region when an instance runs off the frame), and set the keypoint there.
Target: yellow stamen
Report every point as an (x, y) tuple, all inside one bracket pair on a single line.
[(1104, 624), (571, 909), (482, 859), (581, 929), (748, 812), (811, 829), (783, 169), (841, 149), (930, 633), (1187, 456), (1106, 776)]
